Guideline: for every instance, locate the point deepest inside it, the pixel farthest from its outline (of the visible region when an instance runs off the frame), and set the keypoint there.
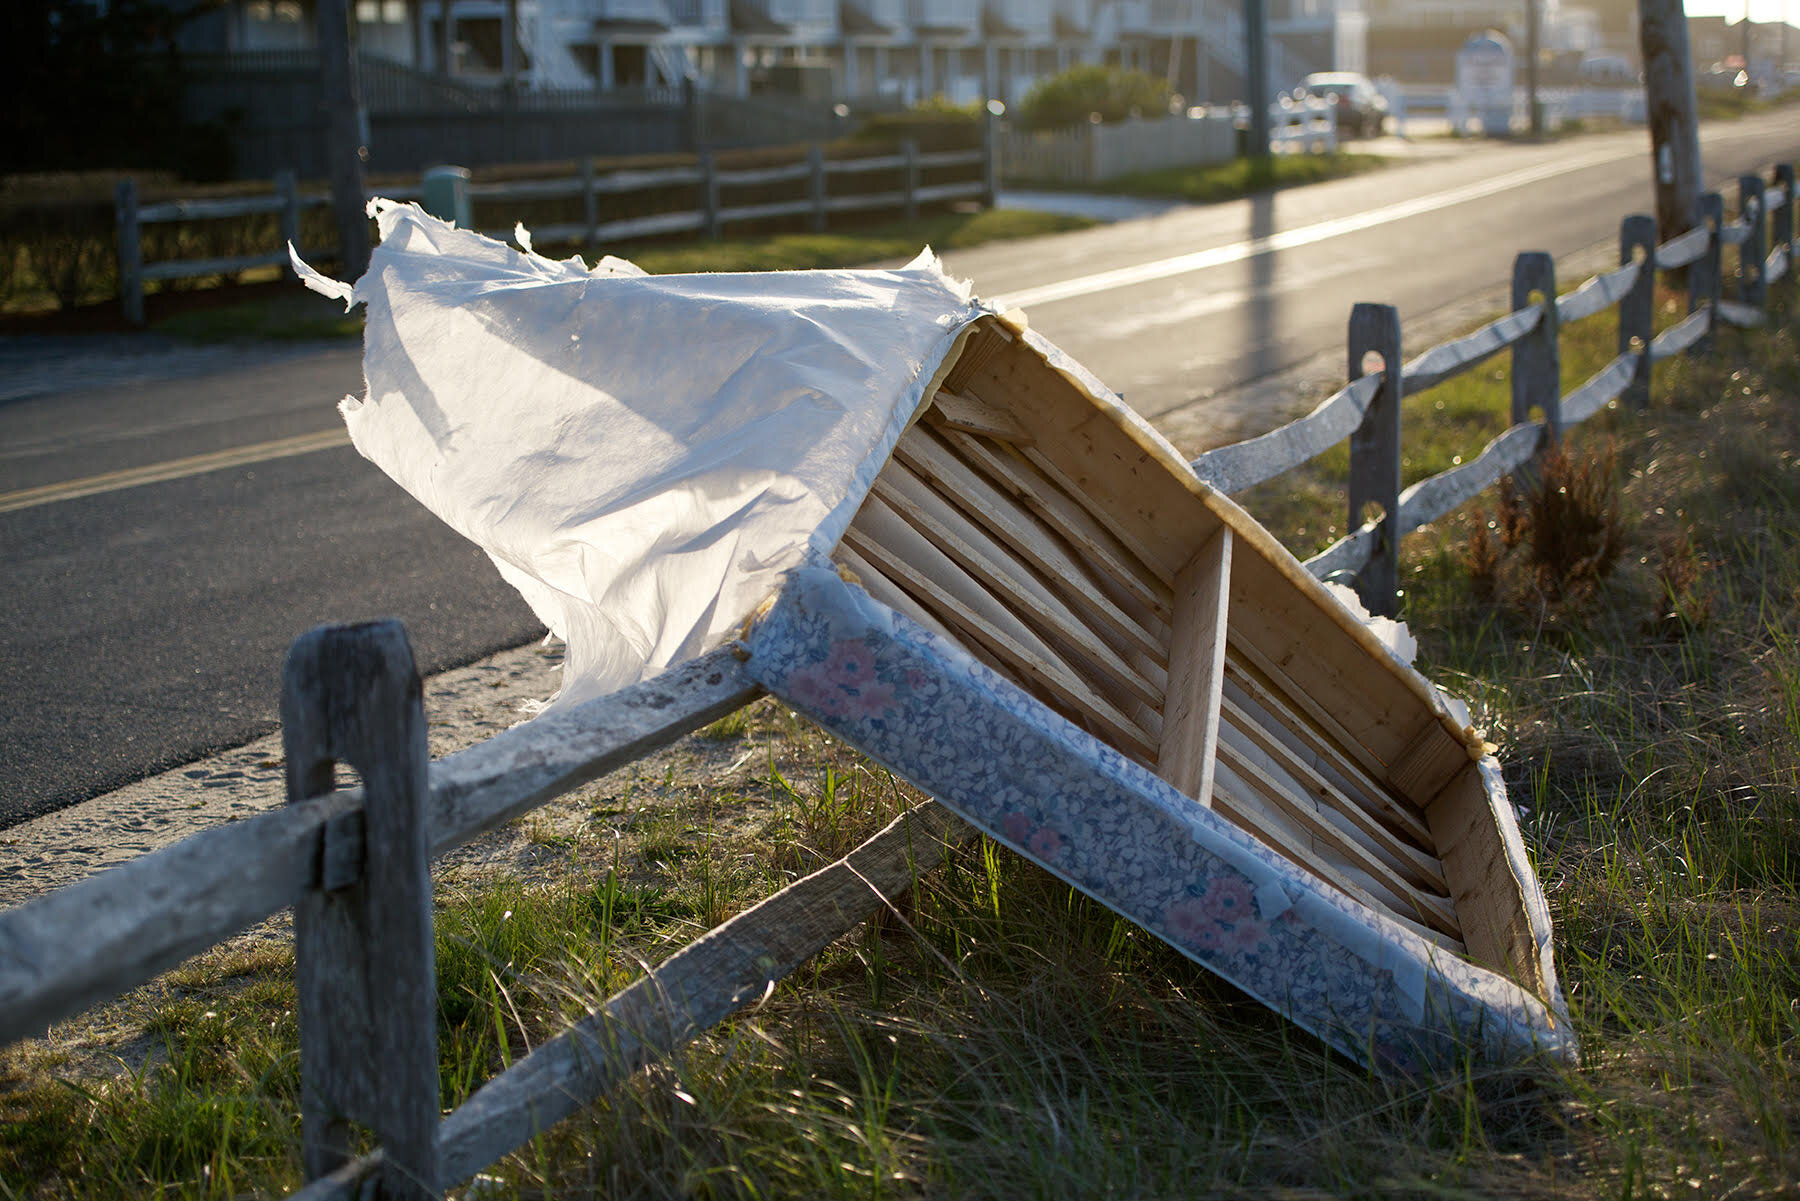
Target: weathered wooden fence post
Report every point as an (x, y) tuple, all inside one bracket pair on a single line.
[(1782, 230), (288, 188), (990, 158), (1705, 275), (1375, 452), (590, 201), (709, 196), (1537, 357), (909, 152), (363, 940), (1752, 287), (815, 187), (131, 252), (1637, 308)]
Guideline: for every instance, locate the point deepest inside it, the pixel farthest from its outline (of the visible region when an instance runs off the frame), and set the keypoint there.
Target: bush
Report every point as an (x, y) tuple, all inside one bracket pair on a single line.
[(1079, 93), (935, 125)]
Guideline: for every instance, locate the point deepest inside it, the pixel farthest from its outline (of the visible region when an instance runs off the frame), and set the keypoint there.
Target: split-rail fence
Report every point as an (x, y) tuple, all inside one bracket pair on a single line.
[(801, 189), (355, 863)]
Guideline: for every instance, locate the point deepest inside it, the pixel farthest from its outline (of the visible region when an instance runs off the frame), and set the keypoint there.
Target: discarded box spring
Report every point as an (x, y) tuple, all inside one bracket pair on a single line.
[(942, 540)]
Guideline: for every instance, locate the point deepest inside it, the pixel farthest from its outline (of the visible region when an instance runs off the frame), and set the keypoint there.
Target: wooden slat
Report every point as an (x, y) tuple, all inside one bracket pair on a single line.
[(1069, 519), (1023, 532), (1419, 869), (971, 416), (1265, 684), (891, 594), (1197, 670), (930, 575), (1401, 898), (1326, 653), (699, 986), (1015, 582), (1489, 900), (1143, 497), (1244, 813)]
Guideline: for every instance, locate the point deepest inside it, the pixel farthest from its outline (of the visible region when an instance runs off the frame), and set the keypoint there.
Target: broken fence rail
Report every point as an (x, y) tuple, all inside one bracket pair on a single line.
[(366, 934), (1366, 411)]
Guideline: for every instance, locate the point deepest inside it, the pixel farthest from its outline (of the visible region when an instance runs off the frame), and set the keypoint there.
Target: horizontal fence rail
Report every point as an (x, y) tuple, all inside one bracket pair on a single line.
[(355, 863)]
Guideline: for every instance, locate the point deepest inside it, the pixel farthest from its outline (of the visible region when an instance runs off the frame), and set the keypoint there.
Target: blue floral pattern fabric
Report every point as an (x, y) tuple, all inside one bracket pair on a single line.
[(1039, 784)]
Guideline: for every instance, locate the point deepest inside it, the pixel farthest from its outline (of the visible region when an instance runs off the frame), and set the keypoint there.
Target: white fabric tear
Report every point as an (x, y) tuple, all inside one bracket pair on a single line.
[(642, 456), (324, 285)]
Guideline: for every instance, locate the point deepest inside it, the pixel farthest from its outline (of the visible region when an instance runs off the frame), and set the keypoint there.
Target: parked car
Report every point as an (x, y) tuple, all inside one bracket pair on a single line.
[(1362, 111)]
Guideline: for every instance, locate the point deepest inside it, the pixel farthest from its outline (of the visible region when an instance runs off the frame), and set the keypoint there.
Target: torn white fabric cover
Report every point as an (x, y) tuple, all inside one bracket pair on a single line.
[(642, 456)]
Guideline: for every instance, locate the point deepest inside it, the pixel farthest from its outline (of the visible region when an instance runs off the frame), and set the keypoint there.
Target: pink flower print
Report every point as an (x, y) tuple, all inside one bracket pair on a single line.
[(850, 664), (843, 684), (1017, 828), (1221, 918), (1046, 844), (809, 688)]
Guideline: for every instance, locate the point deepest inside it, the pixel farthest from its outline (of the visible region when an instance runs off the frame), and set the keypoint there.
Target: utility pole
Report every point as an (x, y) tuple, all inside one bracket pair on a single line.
[(1534, 17), (1256, 77), (1669, 107), (344, 149)]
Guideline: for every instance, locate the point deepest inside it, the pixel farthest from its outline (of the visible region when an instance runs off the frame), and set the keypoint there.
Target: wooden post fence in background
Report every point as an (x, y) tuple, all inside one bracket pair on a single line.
[(1781, 230), (131, 250), (1637, 308), (1375, 451), (1537, 357), (1752, 287), (909, 151), (815, 187), (1705, 275), (363, 954)]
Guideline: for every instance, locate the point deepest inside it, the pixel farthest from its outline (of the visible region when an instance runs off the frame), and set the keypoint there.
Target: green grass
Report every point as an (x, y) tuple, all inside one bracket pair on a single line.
[(1240, 177), (1001, 1036)]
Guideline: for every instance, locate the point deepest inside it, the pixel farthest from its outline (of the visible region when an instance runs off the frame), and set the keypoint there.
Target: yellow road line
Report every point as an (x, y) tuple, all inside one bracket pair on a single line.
[(174, 469)]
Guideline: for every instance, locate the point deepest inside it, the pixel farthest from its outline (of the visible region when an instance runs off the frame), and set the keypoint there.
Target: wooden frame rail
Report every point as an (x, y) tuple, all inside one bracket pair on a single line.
[(1366, 412)]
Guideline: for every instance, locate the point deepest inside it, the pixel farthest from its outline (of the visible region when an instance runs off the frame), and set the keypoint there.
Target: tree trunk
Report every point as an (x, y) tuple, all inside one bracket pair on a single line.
[(1674, 130), (344, 148)]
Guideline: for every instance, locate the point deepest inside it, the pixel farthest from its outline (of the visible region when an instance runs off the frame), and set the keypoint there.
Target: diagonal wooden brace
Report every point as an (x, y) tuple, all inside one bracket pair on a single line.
[(364, 960)]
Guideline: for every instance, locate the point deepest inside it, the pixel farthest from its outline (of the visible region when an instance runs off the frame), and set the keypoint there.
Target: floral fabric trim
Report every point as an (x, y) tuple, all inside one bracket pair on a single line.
[(1037, 783)]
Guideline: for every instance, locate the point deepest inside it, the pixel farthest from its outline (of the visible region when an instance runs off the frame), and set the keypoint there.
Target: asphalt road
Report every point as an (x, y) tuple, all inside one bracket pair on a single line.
[(145, 623)]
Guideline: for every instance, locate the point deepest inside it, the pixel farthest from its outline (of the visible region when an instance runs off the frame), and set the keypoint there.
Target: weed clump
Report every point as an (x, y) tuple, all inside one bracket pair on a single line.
[(1553, 542)]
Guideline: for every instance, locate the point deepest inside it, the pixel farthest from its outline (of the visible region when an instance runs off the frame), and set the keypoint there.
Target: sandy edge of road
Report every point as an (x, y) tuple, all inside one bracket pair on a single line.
[(462, 707), (469, 704)]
